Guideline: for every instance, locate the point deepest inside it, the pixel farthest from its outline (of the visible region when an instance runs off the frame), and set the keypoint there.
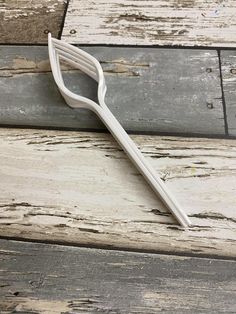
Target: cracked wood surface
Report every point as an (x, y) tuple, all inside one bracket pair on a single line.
[(228, 64), (30, 21), (78, 187), (46, 279), (159, 22), (173, 89)]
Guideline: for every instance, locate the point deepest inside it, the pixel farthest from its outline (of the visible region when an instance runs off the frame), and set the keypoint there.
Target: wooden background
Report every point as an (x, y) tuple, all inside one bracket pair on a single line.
[(166, 22), (72, 204), (177, 86)]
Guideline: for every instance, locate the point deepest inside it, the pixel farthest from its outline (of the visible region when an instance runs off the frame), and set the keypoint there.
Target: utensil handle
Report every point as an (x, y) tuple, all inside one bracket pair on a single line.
[(142, 164)]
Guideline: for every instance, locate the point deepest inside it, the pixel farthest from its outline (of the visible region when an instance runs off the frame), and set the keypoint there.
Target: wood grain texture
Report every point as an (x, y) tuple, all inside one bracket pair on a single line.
[(151, 90), (30, 21), (158, 22), (40, 279), (77, 187), (228, 64)]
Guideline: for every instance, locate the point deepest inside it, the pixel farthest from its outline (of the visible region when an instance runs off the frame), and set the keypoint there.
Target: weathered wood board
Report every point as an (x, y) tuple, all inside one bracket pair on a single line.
[(228, 64), (151, 90), (159, 22), (78, 187), (42, 278), (30, 21)]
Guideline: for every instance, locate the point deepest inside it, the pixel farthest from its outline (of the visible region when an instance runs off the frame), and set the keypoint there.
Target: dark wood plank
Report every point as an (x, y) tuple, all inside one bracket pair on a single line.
[(148, 22), (228, 63), (152, 90), (30, 21), (43, 278)]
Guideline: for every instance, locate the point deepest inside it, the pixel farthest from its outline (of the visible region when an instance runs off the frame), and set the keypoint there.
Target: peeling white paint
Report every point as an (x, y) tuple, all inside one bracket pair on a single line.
[(24, 8), (79, 187), (166, 22)]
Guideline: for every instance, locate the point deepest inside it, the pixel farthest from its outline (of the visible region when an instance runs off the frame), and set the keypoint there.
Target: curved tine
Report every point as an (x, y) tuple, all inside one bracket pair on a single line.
[(82, 53), (58, 67), (71, 49), (73, 100), (76, 55), (54, 64), (86, 56), (76, 59), (80, 67), (83, 61), (60, 53)]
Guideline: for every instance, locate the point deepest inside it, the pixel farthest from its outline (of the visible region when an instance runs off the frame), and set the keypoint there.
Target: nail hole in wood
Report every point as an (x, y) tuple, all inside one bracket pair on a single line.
[(210, 105), (16, 293), (233, 71)]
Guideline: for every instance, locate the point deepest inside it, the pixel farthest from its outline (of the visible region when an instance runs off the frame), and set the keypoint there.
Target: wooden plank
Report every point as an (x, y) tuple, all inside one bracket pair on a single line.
[(228, 64), (77, 187), (43, 278), (174, 89), (159, 22), (30, 21)]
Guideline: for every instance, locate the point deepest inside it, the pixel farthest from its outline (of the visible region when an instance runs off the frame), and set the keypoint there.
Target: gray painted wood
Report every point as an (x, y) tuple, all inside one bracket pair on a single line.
[(43, 278), (79, 187), (228, 63), (152, 90), (30, 21), (148, 22)]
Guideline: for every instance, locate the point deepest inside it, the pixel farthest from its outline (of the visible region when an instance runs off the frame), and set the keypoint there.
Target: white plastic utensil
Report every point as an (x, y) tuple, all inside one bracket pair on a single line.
[(88, 64)]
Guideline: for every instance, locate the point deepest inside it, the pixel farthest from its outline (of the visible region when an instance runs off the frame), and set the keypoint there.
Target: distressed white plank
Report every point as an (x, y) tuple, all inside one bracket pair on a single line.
[(159, 22), (30, 21), (80, 188)]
